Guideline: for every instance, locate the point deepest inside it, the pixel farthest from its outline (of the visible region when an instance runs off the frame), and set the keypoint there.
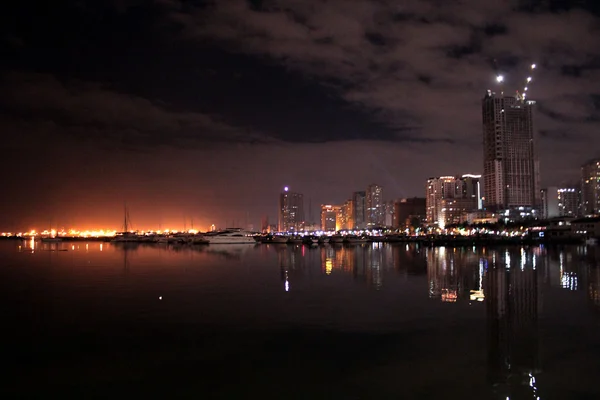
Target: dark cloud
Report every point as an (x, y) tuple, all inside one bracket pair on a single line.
[(92, 112)]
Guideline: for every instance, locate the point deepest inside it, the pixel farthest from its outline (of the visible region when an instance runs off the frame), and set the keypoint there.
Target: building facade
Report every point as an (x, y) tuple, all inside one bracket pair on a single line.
[(590, 187), (449, 198), (291, 211), (330, 217), (510, 164), (345, 216), (375, 208), (569, 202), (560, 202), (359, 205)]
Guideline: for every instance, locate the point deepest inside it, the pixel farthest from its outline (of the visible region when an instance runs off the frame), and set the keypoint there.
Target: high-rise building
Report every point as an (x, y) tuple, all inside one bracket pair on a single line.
[(329, 217), (560, 202), (569, 202), (375, 212), (388, 213), (549, 202), (450, 198), (291, 211), (358, 210), (510, 164), (590, 187), (410, 213), (345, 217)]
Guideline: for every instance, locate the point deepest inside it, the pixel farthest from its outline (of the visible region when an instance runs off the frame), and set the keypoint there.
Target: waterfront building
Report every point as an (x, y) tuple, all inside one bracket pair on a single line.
[(450, 198), (375, 210), (569, 202), (510, 164), (549, 202), (291, 211), (329, 217), (560, 202), (358, 210), (590, 187), (389, 214), (345, 219)]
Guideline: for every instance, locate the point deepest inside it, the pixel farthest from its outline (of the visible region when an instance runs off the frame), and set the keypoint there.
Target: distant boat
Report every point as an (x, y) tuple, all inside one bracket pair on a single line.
[(276, 239), (230, 236), (52, 239), (355, 239), (126, 236), (336, 239)]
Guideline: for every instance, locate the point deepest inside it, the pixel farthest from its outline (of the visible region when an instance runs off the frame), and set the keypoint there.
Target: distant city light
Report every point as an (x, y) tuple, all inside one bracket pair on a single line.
[(286, 189), (500, 78)]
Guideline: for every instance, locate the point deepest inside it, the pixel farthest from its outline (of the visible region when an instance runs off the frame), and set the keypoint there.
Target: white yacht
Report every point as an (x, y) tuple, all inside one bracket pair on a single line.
[(230, 236)]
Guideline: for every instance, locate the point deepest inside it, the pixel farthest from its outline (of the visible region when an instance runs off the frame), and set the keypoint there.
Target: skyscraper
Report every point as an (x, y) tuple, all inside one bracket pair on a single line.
[(375, 212), (590, 187), (510, 165), (358, 210), (450, 198), (291, 211)]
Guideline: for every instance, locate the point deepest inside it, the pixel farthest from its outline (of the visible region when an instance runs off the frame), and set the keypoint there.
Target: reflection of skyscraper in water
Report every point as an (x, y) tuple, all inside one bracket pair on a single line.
[(375, 258), (452, 273), (292, 263), (511, 296)]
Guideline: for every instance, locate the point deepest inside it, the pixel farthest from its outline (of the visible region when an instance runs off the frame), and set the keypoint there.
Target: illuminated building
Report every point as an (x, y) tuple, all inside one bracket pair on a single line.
[(450, 198), (410, 213), (569, 202), (358, 210), (291, 211), (559, 202), (345, 219), (510, 164), (590, 187), (375, 209), (329, 217)]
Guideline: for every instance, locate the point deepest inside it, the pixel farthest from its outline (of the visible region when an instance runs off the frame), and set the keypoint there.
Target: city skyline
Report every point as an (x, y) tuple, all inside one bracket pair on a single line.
[(205, 110)]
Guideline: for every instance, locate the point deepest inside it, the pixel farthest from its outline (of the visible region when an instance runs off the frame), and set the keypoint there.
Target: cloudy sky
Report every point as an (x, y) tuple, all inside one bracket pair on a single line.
[(206, 109)]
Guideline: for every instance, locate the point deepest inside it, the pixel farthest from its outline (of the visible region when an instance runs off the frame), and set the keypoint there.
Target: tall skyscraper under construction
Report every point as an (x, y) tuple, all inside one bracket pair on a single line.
[(510, 164)]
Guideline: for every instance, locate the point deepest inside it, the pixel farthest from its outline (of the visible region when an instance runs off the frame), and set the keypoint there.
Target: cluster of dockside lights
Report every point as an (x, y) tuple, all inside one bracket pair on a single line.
[(419, 232)]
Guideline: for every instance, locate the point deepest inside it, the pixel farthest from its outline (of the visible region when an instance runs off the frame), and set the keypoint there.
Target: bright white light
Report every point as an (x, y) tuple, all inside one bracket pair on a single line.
[(286, 189), (525, 88), (533, 66), (528, 79), (500, 78), (160, 297)]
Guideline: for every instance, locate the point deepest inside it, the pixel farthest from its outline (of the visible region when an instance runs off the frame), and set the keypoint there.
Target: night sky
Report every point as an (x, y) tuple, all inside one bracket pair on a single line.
[(206, 109)]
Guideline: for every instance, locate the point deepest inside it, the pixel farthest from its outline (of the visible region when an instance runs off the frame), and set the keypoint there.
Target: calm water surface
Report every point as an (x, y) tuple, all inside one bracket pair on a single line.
[(295, 322)]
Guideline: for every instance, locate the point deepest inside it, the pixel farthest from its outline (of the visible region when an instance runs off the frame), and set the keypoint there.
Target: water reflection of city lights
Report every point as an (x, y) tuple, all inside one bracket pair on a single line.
[(328, 266), (569, 281), (449, 295)]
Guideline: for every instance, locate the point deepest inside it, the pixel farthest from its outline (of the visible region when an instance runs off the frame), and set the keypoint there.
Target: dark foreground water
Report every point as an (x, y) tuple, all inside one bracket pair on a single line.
[(293, 322)]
